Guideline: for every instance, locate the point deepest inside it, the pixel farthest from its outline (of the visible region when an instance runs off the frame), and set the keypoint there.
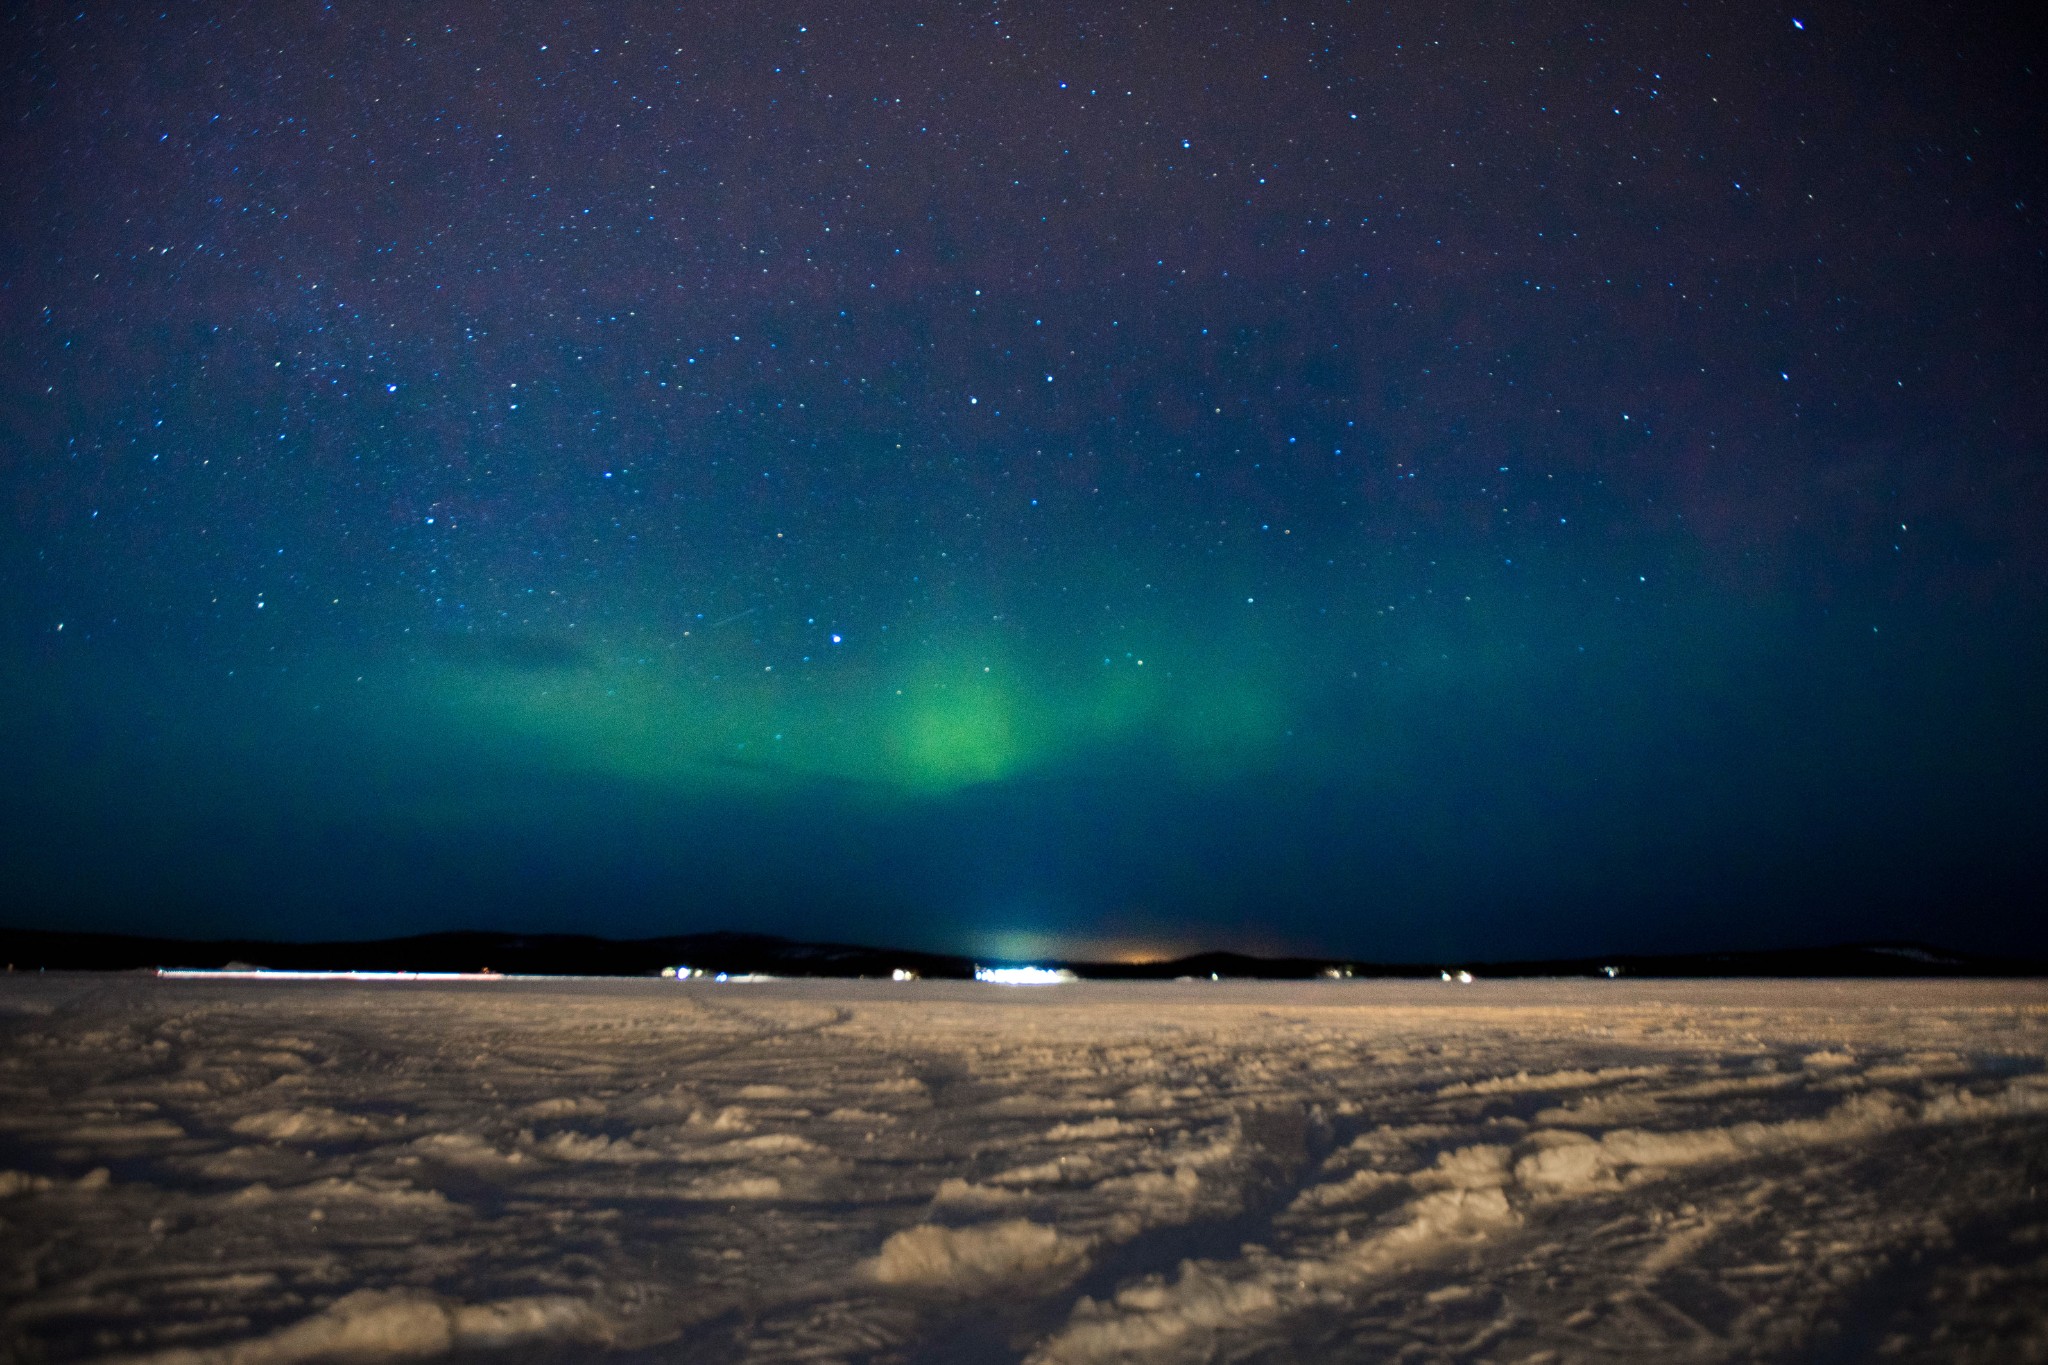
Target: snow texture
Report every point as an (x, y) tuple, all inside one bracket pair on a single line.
[(256, 1173), (977, 1260)]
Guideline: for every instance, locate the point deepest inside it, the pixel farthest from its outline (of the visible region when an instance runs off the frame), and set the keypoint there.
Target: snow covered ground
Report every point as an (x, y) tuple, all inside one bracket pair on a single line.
[(261, 1173)]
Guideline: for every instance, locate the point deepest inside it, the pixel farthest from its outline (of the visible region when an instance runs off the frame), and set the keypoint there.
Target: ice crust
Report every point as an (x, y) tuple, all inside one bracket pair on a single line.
[(252, 1173)]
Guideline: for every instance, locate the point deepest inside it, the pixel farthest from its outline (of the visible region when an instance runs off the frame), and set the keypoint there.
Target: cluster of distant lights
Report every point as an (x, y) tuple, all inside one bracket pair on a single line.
[(990, 976), (1024, 976), (995, 976)]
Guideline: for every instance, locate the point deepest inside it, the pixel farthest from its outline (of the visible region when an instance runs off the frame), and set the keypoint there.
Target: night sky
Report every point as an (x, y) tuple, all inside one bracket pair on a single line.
[(1391, 480)]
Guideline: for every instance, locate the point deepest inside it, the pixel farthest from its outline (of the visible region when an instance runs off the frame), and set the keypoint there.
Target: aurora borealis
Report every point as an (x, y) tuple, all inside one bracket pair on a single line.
[(1386, 480)]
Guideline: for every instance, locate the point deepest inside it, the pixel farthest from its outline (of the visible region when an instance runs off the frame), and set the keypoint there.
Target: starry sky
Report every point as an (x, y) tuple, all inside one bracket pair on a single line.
[(1396, 480)]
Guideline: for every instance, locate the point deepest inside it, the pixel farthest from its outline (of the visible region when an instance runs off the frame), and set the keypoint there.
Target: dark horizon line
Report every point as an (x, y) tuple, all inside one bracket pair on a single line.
[(737, 953)]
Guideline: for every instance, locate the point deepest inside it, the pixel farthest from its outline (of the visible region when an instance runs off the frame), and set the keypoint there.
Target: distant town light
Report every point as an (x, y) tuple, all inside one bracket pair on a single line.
[(1024, 976)]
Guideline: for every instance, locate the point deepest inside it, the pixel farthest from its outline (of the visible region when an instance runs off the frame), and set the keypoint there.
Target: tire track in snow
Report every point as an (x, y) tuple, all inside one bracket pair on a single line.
[(1473, 1195)]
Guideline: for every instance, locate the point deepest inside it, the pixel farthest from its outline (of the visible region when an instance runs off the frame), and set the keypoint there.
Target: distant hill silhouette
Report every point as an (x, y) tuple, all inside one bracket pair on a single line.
[(585, 955)]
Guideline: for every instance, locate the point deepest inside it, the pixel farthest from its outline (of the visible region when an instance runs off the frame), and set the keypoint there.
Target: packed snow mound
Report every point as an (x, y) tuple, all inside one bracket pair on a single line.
[(965, 1194), (393, 1195), (21, 1182), (1571, 1162), (1481, 1166), (400, 1324), (977, 1260), (1550, 1081), (736, 1187), (1152, 1321), (304, 1125)]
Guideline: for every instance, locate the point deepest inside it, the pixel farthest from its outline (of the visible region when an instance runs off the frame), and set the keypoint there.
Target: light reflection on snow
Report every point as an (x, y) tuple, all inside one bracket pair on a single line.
[(287, 974)]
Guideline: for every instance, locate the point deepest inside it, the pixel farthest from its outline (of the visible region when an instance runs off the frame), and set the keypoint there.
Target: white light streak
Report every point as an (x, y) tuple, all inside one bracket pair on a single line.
[(269, 974), (1024, 976)]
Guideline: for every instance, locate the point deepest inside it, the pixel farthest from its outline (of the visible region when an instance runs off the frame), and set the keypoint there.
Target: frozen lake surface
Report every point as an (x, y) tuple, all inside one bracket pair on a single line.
[(258, 1172)]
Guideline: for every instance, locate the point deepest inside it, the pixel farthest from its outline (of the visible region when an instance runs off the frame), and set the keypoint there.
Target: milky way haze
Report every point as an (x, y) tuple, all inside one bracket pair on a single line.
[(1393, 480)]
